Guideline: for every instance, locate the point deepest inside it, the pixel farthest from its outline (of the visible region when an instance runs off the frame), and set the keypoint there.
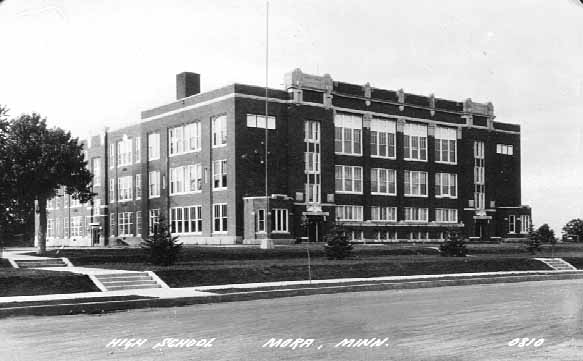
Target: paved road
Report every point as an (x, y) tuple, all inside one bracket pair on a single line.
[(448, 323)]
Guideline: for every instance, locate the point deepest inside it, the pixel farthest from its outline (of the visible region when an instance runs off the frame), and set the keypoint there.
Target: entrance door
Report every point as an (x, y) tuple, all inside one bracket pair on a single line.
[(95, 235), (481, 230), (315, 233)]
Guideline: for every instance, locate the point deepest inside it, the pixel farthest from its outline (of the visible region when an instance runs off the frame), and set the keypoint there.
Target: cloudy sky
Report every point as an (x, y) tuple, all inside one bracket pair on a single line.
[(89, 64)]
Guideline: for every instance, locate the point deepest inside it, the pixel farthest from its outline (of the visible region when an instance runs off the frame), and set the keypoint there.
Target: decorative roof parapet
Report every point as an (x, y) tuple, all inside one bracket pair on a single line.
[(478, 108)]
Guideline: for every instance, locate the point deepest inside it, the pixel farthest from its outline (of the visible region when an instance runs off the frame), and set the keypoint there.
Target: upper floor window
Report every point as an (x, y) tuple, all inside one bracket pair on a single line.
[(96, 165), (445, 145), (445, 185), (506, 149), (415, 142), (416, 214), (348, 179), (124, 223), (258, 121), (382, 138), (219, 128), (138, 145), (186, 179), (415, 183), (220, 174), (348, 134), (124, 190), (138, 186), (383, 213), (383, 181), (184, 139), (349, 213), (153, 146), (124, 152), (154, 184), (111, 155)]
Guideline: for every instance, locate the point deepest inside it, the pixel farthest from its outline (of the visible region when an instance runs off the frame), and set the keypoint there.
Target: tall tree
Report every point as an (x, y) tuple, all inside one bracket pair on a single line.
[(574, 228), (546, 234), (43, 160), (5, 180)]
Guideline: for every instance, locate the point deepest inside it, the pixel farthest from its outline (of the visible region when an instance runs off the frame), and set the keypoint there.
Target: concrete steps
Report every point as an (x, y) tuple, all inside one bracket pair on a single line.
[(40, 262), (128, 281), (557, 264)]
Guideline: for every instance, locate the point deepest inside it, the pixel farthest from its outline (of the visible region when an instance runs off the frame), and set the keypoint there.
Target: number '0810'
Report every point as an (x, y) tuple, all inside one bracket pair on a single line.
[(526, 342)]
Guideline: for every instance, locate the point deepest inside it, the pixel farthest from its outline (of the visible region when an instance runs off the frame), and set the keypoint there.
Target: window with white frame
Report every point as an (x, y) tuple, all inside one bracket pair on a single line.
[(415, 183), (124, 190), (112, 190), (445, 185), (138, 186), (74, 203), (138, 223), (506, 149), (260, 220), (138, 146), (219, 129), (124, 152), (524, 223), (479, 175), (51, 230), (124, 223), (445, 145), (186, 219), (153, 146), (280, 220), (349, 213), (220, 218), (258, 121), (383, 135), (415, 142), (446, 215), (153, 220), (383, 181), (184, 138), (96, 166), (219, 174), (112, 227), (385, 214), (112, 155), (511, 224), (312, 155), (154, 184), (413, 214), (348, 179), (77, 226), (348, 134), (66, 232), (383, 236), (177, 180)]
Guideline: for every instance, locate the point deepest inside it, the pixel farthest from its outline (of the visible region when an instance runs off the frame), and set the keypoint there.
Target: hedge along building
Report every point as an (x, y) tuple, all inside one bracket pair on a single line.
[(387, 165)]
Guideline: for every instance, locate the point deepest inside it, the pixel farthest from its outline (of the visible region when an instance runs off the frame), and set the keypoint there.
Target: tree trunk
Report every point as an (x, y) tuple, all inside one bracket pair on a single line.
[(42, 226)]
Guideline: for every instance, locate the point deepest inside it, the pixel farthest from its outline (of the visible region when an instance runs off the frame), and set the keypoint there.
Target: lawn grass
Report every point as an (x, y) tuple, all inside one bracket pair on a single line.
[(29, 282)]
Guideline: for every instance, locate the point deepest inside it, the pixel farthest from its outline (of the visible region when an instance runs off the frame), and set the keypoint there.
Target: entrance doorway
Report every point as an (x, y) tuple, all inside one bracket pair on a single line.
[(95, 233)]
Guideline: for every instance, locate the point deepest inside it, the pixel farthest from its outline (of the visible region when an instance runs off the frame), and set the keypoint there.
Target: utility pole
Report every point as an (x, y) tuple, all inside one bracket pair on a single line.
[(268, 219)]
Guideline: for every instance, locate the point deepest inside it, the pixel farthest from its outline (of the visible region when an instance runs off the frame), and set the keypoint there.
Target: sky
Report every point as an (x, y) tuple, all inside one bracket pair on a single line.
[(90, 64)]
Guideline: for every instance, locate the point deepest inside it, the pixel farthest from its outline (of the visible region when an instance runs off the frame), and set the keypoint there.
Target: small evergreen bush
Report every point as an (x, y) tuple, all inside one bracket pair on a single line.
[(337, 245), (454, 245), (162, 248), (534, 241)]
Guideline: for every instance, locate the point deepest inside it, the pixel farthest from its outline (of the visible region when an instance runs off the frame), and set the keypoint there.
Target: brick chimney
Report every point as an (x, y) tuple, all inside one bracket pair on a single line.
[(187, 84)]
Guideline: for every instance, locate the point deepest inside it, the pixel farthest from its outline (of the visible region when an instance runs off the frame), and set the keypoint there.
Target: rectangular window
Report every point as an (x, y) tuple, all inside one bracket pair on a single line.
[(416, 214), (446, 215), (138, 186), (445, 145), (220, 174), (154, 184), (74, 203), (382, 138), (348, 179), (219, 129), (112, 227), (219, 218), (312, 155), (112, 155), (280, 220), (153, 146), (479, 176), (524, 223), (77, 226), (124, 190), (153, 220), (260, 220), (385, 214), (184, 139), (348, 134), (383, 181), (349, 213), (415, 183), (415, 142), (112, 190), (258, 121), (138, 145), (51, 231), (445, 185), (124, 223), (124, 152), (506, 149), (511, 224), (186, 219), (194, 178), (186, 179), (138, 223), (96, 166)]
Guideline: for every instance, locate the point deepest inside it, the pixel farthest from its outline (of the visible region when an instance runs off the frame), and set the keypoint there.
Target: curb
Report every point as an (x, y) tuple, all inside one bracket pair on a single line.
[(113, 305)]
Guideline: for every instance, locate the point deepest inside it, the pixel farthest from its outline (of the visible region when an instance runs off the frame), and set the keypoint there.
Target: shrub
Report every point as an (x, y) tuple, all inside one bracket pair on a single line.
[(454, 245), (162, 248), (337, 245), (534, 241)]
